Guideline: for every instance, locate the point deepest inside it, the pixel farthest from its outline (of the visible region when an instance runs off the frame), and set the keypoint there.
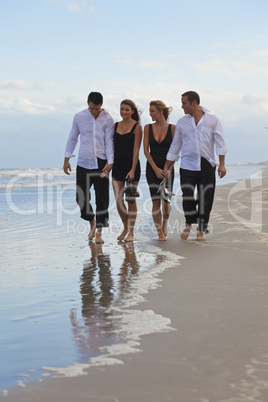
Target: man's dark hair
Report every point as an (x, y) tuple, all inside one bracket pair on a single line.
[(192, 96), (95, 97)]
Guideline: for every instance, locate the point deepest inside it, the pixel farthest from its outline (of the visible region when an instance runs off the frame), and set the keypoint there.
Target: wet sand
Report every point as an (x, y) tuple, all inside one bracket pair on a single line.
[(217, 301)]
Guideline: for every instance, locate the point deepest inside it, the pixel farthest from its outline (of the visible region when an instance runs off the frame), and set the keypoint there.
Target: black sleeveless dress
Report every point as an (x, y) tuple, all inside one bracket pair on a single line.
[(158, 152), (123, 155)]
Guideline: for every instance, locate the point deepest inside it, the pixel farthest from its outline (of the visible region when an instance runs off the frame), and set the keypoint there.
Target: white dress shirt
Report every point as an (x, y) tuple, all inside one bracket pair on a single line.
[(96, 138), (195, 141)]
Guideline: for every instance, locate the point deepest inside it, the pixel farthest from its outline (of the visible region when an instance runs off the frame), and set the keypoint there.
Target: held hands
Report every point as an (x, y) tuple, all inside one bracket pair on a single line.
[(167, 174), (160, 173), (106, 170)]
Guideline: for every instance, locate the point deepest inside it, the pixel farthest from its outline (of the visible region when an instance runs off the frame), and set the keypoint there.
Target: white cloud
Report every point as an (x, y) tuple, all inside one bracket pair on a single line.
[(128, 58), (24, 105), (261, 53), (79, 6), (234, 68), (19, 85), (152, 64)]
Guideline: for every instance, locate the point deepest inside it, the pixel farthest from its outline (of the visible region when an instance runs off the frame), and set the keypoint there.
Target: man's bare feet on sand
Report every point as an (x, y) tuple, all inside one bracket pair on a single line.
[(186, 232), (98, 239), (129, 237), (122, 235), (200, 236), (91, 234)]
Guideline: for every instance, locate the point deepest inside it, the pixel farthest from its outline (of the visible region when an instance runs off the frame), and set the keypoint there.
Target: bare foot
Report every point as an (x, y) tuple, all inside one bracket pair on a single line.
[(122, 235), (91, 234), (129, 237), (164, 228), (98, 237), (99, 247), (161, 236), (186, 232), (200, 236)]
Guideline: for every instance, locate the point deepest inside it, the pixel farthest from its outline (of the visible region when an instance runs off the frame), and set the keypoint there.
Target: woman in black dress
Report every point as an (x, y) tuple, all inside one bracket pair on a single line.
[(127, 142), (157, 139)]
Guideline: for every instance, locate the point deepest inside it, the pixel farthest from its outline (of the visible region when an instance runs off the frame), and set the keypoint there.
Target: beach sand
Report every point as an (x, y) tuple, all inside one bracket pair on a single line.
[(217, 301)]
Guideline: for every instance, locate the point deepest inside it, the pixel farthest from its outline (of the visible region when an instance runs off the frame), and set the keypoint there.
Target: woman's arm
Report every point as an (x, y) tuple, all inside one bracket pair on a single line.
[(136, 150)]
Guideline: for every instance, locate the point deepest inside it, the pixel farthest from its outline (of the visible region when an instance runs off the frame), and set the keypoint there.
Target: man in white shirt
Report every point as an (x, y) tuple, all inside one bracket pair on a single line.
[(196, 135), (95, 127)]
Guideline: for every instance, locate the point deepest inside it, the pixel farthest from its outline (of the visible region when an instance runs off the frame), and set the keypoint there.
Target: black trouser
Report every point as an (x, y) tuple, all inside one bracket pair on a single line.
[(84, 180), (198, 210)]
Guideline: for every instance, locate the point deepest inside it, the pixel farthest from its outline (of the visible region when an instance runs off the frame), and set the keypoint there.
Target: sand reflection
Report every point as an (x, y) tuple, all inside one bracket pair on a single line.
[(101, 286), (129, 267)]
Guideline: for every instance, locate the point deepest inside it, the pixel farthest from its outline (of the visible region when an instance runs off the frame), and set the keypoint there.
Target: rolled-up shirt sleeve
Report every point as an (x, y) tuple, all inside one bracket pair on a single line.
[(109, 141), (72, 140), (219, 139), (175, 147)]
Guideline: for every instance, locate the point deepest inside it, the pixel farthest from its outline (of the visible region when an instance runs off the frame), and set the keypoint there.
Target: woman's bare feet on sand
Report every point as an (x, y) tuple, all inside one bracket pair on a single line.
[(200, 236), (164, 228), (91, 234), (161, 236), (122, 235), (186, 232)]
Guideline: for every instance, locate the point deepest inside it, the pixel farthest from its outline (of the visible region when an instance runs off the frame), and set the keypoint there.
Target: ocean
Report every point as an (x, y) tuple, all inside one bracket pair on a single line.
[(67, 305)]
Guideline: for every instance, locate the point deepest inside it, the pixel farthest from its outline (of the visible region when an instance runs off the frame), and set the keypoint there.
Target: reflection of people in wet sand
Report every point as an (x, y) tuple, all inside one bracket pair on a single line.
[(97, 292), (130, 266)]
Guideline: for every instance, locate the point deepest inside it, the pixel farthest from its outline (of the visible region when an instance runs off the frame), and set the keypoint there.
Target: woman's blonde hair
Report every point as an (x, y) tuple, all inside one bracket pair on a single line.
[(161, 106)]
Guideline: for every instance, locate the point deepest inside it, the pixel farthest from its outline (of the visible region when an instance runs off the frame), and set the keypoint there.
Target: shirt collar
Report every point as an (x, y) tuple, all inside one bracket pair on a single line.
[(203, 109)]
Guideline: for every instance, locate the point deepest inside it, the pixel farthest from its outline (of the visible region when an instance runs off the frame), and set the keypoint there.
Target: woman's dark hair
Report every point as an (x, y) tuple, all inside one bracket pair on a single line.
[(95, 97), (192, 96), (136, 113), (161, 106)]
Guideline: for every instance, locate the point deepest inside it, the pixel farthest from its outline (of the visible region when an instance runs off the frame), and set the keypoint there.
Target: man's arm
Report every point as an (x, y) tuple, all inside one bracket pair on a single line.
[(70, 146), (221, 149), (173, 152), (109, 141), (109, 147)]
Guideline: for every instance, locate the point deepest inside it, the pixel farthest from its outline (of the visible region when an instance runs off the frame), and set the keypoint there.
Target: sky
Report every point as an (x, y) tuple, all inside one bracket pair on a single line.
[(55, 52)]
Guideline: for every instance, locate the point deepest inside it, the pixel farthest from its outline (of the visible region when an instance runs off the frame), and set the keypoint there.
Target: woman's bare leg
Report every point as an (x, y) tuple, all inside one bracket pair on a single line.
[(157, 217), (166, 209), (131, 218), (121, 208)]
